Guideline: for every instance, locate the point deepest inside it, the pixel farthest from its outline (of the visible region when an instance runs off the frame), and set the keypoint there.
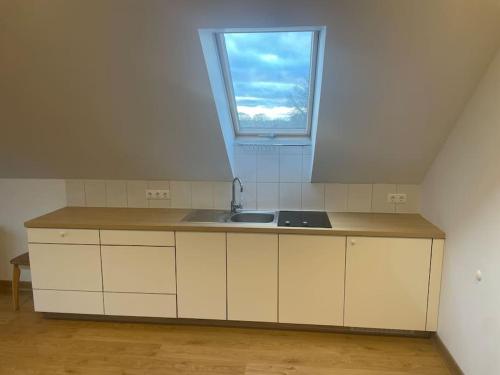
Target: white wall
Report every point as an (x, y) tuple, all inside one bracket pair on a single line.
[(21, 200), (461, 194)]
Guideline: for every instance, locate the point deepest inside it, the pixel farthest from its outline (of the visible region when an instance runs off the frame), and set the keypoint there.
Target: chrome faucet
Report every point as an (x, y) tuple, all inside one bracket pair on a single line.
[(235, 206)]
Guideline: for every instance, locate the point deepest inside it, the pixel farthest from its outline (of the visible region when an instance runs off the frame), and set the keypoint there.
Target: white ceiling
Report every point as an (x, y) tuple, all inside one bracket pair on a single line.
[(119, 88)]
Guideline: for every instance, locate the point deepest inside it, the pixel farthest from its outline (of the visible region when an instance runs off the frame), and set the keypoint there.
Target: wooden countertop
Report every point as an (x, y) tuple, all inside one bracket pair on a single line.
[(343, 223)]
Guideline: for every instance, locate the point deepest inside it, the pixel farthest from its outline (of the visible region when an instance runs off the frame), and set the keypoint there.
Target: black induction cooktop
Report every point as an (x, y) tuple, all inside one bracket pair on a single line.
[(311, 219)]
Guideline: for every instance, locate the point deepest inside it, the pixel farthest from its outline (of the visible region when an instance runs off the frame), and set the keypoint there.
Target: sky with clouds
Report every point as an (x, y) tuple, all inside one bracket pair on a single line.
[(268, 71)]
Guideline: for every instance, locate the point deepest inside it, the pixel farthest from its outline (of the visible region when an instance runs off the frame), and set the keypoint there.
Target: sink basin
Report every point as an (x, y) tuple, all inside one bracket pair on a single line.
[(222, 216), (253, 217)]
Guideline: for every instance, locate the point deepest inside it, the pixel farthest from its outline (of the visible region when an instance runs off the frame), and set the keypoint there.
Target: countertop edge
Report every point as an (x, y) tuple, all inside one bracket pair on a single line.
[(243, 229)]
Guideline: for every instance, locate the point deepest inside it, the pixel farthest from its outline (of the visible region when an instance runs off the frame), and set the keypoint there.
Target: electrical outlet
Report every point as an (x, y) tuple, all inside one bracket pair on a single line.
[(396, 198), (157, 194)]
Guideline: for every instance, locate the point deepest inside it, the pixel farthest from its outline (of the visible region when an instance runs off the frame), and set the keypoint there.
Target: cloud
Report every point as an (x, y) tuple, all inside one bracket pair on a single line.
[(266, 69)]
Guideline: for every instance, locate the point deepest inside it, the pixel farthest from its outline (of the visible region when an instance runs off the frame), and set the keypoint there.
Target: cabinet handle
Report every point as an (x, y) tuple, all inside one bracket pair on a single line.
[(62, 234), (353, 242)]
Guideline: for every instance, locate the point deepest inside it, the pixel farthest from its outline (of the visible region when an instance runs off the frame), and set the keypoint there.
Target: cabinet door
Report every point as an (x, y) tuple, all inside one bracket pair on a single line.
[(252, 277), (138, 269), (387, 281), (66, 267), (311, 279), (201, 275)]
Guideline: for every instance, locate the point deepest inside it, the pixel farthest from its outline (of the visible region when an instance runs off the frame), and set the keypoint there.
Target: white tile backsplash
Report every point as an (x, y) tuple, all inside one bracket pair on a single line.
[(290, 196), (268, 167), (313, 197), (95, 193), (222, 195), (306, 167), (267, 195), (290, 167), (246, 165), (379, 198), (180, 194), (116, 193), (136, 194), (336, 197), (75, 193), (359, 198), (202, 194), (331, 197), (412, 204), (249, 196), (159, 203)]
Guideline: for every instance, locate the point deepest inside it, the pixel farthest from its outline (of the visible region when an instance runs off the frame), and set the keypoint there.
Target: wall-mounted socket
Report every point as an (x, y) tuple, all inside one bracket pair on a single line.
[(155, 194), (396, 198)]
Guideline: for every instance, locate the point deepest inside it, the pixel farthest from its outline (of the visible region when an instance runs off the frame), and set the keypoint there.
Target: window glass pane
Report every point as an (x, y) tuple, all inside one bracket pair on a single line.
[(270, 74)]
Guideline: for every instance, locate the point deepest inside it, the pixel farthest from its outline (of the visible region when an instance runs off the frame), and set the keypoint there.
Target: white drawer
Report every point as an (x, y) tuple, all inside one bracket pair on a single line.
[(76, 236), (138, 269), (137, 237), (65, 267), (136, 304), (63, 301)]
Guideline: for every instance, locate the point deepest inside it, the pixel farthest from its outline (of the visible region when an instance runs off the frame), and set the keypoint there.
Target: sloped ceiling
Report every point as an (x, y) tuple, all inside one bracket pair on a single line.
[(119, 88)]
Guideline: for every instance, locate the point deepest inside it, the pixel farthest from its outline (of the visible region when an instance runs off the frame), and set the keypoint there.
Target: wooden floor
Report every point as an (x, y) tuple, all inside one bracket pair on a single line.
[(30, 344)]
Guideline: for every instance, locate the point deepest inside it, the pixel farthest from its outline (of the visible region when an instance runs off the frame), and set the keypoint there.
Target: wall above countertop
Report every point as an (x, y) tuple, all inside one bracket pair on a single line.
[(256, 195)]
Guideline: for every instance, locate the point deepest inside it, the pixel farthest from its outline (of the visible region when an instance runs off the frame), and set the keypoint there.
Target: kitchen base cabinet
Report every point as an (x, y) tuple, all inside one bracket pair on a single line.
[(65, 267), (311, 279), (201, 275), (140, 304), (138, 269), (68, 301), (252, 277), (387, 281)]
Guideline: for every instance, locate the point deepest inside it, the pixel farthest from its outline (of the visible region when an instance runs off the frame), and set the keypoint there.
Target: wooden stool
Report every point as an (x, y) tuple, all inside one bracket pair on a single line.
[(17, 262)]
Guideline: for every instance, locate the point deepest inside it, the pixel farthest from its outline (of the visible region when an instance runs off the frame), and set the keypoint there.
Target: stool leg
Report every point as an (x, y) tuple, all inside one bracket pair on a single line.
[(16, 275)]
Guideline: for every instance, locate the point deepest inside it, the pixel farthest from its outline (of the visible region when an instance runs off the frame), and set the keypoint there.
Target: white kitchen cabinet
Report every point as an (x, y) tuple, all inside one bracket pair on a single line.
[(252, 277), (68, 236), (387, 281), (68, 301), (137, 237), (65, 267), (138, 269), (434, 285), (140, 304), (311, 279), (201, 275)]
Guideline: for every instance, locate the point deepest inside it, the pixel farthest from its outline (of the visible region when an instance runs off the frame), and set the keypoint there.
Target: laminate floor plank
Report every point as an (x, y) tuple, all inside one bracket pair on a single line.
[(33, 345)]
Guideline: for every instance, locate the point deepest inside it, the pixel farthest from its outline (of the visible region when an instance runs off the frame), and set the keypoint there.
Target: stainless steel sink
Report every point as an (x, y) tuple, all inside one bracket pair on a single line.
[(219, 216), (253, 217)]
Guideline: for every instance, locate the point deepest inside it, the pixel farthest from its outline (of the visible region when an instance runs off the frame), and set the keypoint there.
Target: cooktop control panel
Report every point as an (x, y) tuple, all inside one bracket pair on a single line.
[(311, 219)]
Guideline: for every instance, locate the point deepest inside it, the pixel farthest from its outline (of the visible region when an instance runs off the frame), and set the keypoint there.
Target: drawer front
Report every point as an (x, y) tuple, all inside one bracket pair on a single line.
[(66, 267), (72, 302), (137, 237), (148, 305), (73, 236), (138, 269)]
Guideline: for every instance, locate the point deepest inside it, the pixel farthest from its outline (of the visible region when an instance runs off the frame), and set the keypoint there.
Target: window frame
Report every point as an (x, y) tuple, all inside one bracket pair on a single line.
[(230, 96)]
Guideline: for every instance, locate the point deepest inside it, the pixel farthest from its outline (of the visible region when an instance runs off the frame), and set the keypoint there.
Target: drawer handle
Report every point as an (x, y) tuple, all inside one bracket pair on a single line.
[(63, 233)]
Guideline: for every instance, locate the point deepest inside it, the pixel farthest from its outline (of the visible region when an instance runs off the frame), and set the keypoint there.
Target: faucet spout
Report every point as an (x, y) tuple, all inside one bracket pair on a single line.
[(235, 206)]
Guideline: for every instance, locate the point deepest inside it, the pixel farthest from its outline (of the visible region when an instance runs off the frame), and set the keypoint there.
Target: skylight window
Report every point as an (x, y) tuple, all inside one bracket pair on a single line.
[(269, 78)]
